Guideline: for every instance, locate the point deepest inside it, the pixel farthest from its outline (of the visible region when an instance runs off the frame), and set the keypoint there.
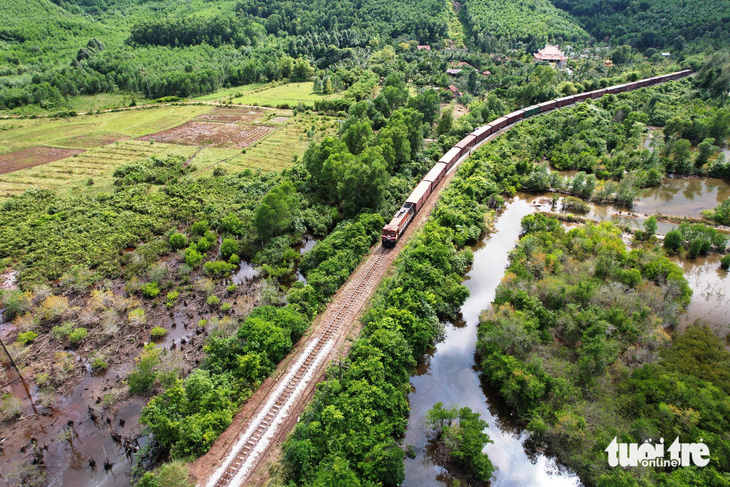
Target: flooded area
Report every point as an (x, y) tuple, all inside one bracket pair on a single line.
[(448, 375), (676, 196), (683, 197), (711, 299)]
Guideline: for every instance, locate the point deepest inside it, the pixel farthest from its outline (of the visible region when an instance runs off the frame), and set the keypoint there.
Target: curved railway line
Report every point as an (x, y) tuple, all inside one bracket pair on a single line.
[(285, 398)]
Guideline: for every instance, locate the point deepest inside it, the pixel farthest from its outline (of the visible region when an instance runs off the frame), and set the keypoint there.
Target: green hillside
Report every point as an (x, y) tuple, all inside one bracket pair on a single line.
[(492, 23), (654, 23)]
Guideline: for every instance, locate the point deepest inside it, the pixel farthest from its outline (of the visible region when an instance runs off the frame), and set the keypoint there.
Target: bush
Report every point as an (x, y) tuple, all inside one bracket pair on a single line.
[(144, 375), (199, 228), (78, 335), (26, 337), (178, 240), (171, 298), (234, 260), (193, 258), (725, 262), (158, 332), (218, 268), (99, 365), (213, 300), (150, 290), (228, 247), (673, 241)]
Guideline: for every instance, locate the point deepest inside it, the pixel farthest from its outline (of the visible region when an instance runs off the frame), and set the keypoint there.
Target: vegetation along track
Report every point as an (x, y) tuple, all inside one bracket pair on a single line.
[(277, 408), (286, 398)]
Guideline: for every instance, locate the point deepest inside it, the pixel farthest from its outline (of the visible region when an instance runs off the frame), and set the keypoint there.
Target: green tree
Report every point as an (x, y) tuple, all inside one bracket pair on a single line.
[(363, 182), (274, 214), (446, 122)]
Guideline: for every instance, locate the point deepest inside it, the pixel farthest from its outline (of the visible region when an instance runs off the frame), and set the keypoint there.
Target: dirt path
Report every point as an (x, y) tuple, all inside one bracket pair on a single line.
[(244, 453)]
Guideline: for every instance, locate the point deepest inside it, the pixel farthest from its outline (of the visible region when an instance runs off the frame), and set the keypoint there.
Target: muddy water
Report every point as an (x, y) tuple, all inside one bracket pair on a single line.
[(683, 197), (448, 376), (711, 299)]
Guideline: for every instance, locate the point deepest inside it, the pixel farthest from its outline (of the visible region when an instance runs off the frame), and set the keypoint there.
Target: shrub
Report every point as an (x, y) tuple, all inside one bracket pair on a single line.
[(178, 240), (150, 290), (234, 259), (213, 300), (171, 298), (158, 332), (78, 335), (144, 375), (725, 262), (228, 247), (218, 268), (98, 365), (61, 332), (26, 337), (193, 258), (673, 241), (225, 307), (199, 228)]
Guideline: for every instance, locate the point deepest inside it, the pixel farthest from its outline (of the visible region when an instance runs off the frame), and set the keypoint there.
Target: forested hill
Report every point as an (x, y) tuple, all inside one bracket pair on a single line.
[(493, 24), (423, 20), (658, 24)]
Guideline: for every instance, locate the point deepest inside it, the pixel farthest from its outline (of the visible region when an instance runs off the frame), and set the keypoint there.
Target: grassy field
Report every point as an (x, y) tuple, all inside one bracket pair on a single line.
[(278, 149), (269, 94), (110, 140)]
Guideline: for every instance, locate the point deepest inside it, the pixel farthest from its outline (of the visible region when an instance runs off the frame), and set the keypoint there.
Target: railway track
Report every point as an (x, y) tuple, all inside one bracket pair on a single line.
[(241, 460)]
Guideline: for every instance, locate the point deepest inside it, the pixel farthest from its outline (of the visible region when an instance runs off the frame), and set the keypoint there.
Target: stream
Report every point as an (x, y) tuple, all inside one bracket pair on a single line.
[(448, 375)]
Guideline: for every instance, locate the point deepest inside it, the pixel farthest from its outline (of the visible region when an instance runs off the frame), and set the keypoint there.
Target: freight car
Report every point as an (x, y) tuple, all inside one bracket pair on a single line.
[(403, 217)]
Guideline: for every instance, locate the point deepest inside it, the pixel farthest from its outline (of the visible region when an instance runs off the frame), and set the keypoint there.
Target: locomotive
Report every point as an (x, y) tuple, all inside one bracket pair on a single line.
[(404, 216)]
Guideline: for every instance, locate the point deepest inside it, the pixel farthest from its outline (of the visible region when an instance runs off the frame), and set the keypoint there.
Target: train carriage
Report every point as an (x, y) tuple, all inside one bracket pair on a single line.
[(466, 143), (547, 105), (435, 175), (566, 100), (483, 132), (598, 93), (515, 116), (500, 123), (532, 110), (419, 195), (451, 157)]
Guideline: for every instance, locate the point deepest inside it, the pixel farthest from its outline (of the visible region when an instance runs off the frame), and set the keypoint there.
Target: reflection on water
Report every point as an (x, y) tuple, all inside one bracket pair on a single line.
[(448, 375), (677, 196), (683, 197), (711, 299)]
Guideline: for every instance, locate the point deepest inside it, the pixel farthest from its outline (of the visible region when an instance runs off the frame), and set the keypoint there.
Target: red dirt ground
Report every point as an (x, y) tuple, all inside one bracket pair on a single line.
[(34, 156), (212, 134)]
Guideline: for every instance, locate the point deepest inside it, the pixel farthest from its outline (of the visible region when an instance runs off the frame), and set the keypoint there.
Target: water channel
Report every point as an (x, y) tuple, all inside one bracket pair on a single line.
[(448, 373)]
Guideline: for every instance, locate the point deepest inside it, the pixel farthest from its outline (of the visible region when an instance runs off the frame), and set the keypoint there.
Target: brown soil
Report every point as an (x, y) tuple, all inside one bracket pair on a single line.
[(248, 115), (85, 416), (34, 156), (212, 134)]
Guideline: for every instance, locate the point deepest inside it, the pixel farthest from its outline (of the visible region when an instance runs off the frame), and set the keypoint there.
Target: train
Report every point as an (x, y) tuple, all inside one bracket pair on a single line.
[(404, 216)]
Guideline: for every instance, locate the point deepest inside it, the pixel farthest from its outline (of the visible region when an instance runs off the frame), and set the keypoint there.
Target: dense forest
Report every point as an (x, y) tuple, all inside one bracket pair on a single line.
[(654, 24), (500, 25), (575, 342)]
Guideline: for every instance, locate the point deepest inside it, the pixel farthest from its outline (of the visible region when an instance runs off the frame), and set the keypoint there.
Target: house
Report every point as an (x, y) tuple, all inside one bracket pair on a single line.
[(487, 73), (461, 64), (453, 71), (666, 54), (423, 47), (454, 91), (551, 54), (608, 63)]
